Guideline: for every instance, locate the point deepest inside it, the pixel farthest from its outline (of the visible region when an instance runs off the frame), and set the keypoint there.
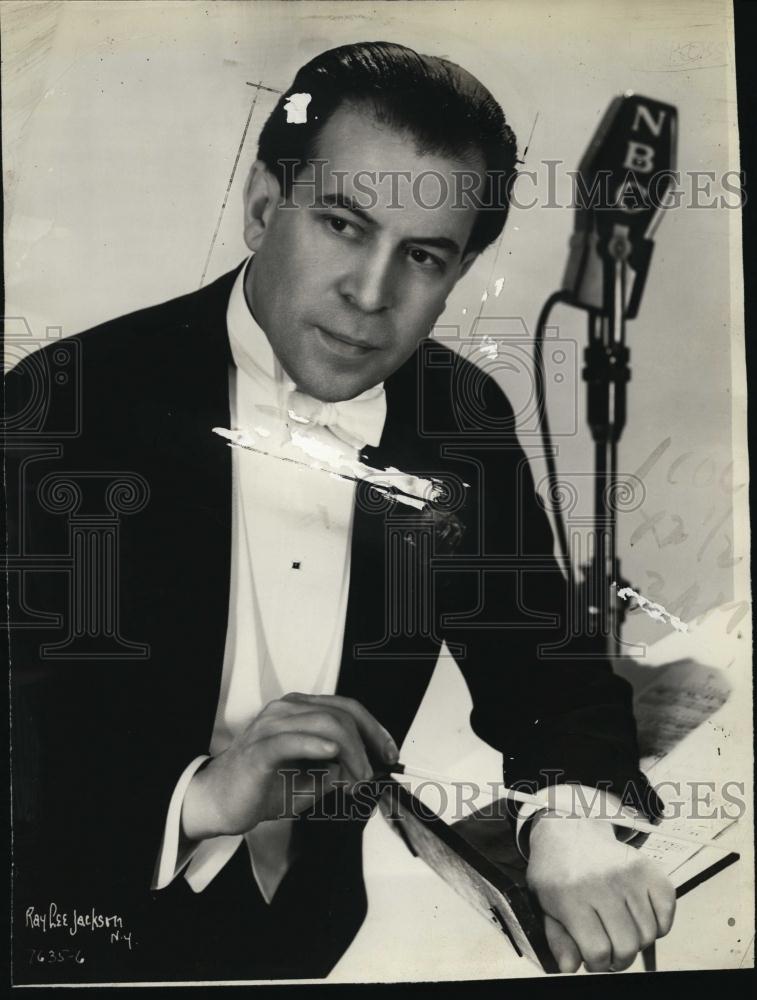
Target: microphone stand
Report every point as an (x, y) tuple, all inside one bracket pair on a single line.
[(607, 373), (610, 250), (609, 285)]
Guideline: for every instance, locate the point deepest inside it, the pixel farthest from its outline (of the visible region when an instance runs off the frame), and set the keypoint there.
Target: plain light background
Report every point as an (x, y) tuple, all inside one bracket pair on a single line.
[(122, 128)]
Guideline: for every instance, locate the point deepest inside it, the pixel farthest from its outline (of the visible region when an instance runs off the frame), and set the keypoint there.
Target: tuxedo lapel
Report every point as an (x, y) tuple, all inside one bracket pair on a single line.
[(188, 529)]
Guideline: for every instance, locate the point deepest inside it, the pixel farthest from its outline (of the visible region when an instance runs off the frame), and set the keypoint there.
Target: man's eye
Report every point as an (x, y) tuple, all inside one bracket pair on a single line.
[(424, 258), (339, 225)]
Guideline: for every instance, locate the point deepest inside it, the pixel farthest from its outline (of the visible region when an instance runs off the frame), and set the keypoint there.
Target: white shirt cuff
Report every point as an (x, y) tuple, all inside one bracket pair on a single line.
[(169, 863), (566, 799), (201, 861)]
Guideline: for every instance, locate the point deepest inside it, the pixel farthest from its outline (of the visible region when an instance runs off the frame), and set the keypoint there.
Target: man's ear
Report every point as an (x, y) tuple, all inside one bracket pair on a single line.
[(261, 196)]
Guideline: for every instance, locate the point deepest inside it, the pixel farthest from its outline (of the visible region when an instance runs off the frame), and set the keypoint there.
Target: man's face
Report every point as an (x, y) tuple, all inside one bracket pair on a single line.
[(344, 285)]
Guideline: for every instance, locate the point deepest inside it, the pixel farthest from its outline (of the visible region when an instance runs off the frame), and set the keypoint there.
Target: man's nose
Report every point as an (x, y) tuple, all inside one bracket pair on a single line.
[(371, 285)]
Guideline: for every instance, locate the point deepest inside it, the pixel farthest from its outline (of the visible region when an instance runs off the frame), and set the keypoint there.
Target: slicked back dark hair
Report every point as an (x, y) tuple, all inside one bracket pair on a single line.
[(443, 107)]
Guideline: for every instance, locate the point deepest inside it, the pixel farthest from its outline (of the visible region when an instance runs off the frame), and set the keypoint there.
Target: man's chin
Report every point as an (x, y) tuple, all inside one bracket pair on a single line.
[(333, 388)]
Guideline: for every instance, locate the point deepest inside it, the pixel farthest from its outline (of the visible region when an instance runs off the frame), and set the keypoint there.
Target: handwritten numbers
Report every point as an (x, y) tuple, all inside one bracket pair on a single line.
[(55, 956)]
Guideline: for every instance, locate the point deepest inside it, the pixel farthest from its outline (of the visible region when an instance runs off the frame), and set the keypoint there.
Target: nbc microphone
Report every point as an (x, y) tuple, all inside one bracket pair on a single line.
[(620, 189)]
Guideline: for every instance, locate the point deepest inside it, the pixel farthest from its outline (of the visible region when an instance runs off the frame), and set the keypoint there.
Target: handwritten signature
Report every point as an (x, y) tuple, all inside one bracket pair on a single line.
[(52, 918)]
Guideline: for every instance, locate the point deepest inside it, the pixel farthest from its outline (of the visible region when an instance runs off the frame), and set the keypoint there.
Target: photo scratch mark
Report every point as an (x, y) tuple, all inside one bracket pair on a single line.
[(390, 482), (488, 347), (530, 137), (655, 611), (228, 186), (296, 108)]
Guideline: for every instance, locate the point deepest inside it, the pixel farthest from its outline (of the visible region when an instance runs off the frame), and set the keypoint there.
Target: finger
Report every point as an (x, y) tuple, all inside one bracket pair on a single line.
[(312, 782), (588, 932), (299, 763), (282, 708), (378, 740), (354, 755), (331, 726), (562, 945), (297, 706), (643, 914), (662, 897), (295, 746), (622, 931)]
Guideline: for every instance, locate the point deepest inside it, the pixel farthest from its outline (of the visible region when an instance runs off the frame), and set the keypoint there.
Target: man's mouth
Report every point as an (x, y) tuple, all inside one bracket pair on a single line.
[(343, 345)]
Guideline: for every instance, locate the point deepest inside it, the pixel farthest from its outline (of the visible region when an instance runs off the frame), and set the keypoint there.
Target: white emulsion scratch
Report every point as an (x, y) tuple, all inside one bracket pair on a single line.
[(498, 286), (324, 457), (488, 347), (297, 418), (296, 108), (656, 611)]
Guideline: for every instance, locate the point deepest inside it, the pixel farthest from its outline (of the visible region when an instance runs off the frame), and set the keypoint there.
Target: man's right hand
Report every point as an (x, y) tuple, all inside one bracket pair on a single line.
[(242, 786)]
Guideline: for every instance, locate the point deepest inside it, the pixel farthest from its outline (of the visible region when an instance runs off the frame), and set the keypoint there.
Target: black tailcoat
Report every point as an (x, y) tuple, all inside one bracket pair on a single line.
[(119, 499)]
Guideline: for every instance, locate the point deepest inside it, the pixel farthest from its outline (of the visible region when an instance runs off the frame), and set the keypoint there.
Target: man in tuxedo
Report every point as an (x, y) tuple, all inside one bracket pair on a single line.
[(241, 614)]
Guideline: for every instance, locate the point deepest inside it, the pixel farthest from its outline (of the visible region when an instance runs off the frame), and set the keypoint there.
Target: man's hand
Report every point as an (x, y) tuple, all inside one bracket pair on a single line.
[(603, 901), (242, 786)]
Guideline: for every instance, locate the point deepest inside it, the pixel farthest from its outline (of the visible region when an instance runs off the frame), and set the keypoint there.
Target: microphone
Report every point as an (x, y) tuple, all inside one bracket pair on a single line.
[(621, 187)]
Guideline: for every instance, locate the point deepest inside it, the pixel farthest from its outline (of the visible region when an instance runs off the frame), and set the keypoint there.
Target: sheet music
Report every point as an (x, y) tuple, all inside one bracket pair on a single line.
[(680, 751), (672, 855), (674, 705)]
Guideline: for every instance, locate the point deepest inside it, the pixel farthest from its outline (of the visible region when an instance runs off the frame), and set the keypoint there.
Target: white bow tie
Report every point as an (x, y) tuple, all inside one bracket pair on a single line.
[(357, 421)]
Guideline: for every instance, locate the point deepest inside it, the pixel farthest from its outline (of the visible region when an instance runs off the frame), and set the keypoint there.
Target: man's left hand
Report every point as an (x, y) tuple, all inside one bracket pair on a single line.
[(603, 901)]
